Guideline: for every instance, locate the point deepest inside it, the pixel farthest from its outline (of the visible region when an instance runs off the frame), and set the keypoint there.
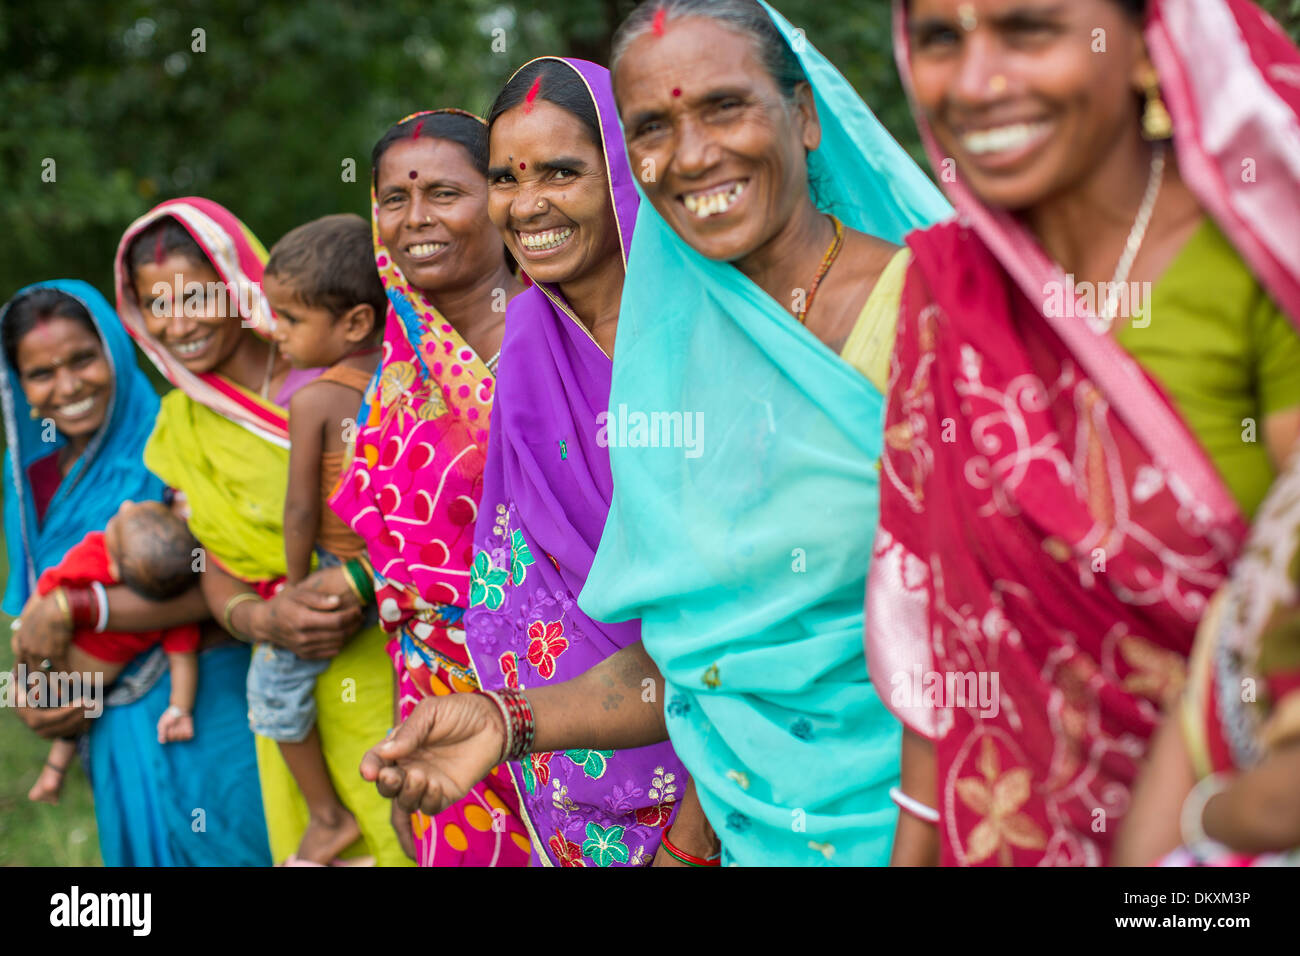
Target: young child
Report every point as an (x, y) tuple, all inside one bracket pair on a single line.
[(150, 551), (329, 304)]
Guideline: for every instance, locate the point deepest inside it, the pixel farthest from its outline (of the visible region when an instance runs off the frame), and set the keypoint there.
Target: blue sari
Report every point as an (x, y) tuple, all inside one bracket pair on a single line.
[(745, 555), (181, 804)]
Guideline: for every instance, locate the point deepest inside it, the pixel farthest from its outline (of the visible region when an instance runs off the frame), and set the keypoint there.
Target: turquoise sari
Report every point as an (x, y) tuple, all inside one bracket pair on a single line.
[(746, 556)]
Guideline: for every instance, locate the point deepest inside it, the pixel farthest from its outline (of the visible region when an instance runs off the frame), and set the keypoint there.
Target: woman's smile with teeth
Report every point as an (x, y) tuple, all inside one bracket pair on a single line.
[(546, 239), (715, 201), (192, 348), (1000, 139), (77, 409), (423, 250)]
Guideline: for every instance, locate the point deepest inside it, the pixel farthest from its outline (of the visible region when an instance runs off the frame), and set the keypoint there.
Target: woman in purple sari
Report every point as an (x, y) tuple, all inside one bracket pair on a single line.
[(562, 193)]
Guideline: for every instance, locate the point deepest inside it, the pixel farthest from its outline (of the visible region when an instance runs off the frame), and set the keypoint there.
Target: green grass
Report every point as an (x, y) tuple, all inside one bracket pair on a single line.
[(37, 834)]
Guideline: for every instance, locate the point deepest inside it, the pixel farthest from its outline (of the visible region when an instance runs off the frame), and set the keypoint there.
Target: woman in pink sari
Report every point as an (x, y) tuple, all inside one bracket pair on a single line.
[(412, 487), (1095, 380)]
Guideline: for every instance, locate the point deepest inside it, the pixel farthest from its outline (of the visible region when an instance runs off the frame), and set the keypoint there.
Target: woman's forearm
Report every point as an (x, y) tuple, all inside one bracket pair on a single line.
[(1259, 811), (218, 588), (128, 611), (916, 841), (615, 705)]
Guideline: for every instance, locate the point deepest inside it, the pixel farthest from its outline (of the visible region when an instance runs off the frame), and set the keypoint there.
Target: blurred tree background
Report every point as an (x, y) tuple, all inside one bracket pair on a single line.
[(119, 96), (262, 105)]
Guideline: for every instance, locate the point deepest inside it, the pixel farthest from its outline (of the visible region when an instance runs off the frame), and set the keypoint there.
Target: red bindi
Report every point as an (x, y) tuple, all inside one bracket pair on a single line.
[(413, 174), (523, 165), (676, 91)]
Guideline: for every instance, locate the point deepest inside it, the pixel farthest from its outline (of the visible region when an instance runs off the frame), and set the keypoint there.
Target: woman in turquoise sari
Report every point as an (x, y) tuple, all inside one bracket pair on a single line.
[(189, 803), (744, 428)]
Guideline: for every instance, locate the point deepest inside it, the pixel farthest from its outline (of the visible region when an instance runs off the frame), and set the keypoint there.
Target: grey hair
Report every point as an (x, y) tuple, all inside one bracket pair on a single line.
[(746, 17)]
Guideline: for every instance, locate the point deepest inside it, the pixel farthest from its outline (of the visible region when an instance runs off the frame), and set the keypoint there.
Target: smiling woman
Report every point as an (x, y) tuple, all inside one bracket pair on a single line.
[(769, 307), (412, 484), (1051, 536)]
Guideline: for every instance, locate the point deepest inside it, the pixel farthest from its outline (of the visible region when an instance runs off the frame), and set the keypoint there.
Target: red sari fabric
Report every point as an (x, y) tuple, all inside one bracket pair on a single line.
[(1028, 541)]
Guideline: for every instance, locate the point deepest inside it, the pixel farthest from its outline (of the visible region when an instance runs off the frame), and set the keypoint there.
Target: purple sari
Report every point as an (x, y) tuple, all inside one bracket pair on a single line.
[(546, 492)]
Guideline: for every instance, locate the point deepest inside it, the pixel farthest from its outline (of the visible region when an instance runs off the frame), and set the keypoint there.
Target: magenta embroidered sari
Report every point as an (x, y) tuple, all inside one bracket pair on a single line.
[(1050, 529)]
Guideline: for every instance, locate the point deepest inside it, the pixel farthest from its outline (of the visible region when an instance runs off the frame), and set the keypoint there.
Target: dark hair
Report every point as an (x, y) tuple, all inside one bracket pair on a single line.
[(157, 559), (162, 238), (466, 131), (560, 84), (32, 308), (331, 263), (746, 17)]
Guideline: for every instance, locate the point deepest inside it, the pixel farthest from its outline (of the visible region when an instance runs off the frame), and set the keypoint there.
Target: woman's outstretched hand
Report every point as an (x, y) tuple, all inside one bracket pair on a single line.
[(42, 635), (447, 745)]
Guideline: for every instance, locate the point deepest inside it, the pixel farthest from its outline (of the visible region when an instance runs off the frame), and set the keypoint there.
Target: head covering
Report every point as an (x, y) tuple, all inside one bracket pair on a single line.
[(745, 553), (238, 257), (412, 486), (1047, 519), (223, 445), (546, 491), (111, 469), (1195, 46)]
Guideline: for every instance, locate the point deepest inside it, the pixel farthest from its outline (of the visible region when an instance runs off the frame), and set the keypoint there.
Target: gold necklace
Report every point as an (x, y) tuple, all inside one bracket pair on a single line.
[(828, 259)]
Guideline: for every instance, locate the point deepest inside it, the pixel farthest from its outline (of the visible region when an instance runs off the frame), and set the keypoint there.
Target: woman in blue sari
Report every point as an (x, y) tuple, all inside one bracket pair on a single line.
[(744, 426), (77, 414)]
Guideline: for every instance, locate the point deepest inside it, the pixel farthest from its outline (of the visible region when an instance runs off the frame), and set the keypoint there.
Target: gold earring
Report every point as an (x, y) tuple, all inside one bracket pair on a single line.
[(1156, 122), (35, 414)]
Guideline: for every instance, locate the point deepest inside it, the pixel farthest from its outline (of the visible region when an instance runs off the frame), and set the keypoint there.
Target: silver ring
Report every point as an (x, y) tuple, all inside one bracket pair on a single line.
[(46, 664)]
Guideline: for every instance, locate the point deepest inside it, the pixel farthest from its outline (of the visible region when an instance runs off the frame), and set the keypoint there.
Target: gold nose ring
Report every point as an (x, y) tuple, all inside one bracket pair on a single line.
[(998, 83), (541, 203)]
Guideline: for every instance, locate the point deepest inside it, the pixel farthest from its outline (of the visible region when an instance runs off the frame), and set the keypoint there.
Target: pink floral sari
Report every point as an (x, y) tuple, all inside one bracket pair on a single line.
[(1050, 529)]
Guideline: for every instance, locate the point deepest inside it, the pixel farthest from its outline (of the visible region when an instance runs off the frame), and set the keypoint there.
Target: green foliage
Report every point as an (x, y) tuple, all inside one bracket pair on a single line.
[(117, 94)]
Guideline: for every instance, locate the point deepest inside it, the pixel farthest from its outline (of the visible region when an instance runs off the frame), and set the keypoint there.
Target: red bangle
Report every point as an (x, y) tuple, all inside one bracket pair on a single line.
[(518, 716), (84, 607), (685, 857)]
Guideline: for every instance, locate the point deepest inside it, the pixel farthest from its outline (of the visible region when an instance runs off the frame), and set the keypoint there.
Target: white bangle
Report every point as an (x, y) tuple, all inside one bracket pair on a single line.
[(101, 599), (1191, 823), (174, 711), (913, 806)]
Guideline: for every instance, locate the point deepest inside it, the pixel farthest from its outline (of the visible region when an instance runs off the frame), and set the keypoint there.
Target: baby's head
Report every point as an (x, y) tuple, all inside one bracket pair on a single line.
[(322, 284), (150, 550)]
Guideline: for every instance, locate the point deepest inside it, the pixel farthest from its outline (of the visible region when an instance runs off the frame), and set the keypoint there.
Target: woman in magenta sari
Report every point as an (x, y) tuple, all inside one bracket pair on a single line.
[(547, 484), (1068, 480), (412, 486)]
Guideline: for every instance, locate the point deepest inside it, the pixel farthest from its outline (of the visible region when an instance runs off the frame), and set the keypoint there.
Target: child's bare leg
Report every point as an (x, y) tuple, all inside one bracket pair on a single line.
[(49, 783), (331, 829)]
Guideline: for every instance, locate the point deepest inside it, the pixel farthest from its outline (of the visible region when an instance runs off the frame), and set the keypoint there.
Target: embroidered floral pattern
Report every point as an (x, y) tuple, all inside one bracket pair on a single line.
[(604, 845), (546, 643), (520, 557), (592, 762), (509, 668), (536, 771), (567, 853), (998, 799), (486, 583)]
